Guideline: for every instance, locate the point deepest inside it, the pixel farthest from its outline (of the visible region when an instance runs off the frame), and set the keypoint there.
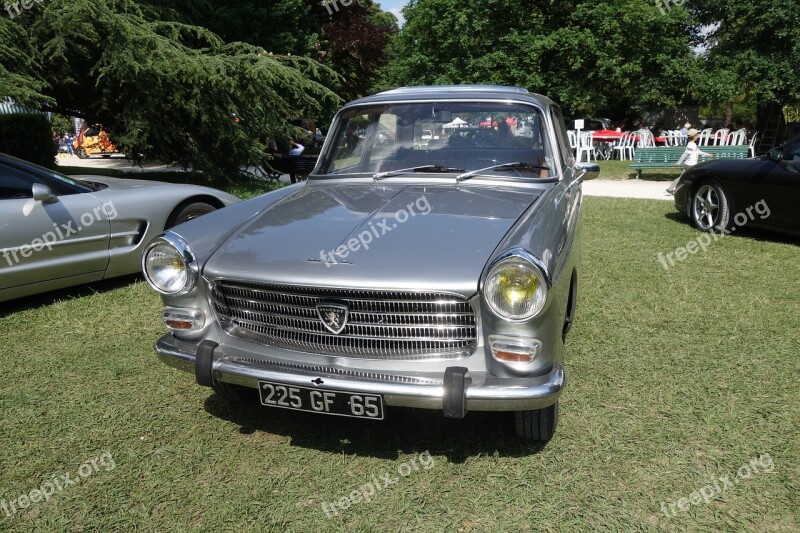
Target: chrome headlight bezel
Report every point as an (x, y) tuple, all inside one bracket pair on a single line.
[(183, 252), (517, 258)]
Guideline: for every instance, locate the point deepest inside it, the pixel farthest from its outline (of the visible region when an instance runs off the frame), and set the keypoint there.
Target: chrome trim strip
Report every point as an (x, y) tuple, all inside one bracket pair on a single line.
[(485, 393)]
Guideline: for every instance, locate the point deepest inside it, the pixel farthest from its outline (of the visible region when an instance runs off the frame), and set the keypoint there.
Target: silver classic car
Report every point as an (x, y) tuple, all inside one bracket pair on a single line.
[(430, 261)]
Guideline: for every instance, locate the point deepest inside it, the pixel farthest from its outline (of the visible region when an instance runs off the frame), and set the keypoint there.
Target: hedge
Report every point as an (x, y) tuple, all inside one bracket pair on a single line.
[(28, 136)]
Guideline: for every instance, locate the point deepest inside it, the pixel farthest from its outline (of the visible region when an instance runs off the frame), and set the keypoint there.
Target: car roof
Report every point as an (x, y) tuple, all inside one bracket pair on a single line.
[(441, 92)]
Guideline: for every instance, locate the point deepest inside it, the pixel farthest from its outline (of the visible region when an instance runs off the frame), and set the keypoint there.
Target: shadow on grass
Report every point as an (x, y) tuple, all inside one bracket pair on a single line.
[(743, 231), (402, 431), (658, 176), (49, 298)]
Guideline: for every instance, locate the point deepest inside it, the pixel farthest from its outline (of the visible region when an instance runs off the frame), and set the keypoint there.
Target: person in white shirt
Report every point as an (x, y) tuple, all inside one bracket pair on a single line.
[(295, 148), (692, 152)]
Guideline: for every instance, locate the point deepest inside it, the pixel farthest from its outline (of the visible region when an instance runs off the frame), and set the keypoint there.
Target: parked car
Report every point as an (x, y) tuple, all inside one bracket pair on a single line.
[(719, 195), (58, 231), (397, 275), (93, 140), (593, 124)]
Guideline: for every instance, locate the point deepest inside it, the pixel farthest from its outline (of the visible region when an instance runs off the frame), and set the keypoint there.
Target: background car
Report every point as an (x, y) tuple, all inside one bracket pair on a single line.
[(593, 124), (721, 194), (436, 277), (57, 231)]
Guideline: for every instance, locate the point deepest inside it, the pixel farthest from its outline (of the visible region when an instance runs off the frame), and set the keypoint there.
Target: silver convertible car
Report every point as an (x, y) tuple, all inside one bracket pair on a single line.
[(430, 261), (57, 231)]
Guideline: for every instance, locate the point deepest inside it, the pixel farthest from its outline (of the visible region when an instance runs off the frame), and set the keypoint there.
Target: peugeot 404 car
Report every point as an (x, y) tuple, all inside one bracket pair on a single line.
[(441, 275)]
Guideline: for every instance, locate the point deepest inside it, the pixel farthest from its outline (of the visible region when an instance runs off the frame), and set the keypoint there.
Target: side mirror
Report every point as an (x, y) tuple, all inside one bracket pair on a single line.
[(776, 154), (43, 193), (587, 171)]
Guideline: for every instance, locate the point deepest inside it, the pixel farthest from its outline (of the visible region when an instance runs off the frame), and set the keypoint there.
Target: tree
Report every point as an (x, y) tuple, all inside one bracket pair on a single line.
[(350, 39), (589, 56), (355, 44), (170, 90), (752, 53)]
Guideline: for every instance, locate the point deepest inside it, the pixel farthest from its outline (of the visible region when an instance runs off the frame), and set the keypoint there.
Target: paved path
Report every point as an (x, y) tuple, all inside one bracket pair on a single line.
[(654, 190)]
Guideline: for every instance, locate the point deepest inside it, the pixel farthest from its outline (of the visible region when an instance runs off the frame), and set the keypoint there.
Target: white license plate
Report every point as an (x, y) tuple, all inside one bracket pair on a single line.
[(356, 404)]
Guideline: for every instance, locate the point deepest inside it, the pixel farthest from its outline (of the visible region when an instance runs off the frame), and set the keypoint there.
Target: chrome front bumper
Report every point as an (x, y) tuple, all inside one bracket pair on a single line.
[(482, 392)]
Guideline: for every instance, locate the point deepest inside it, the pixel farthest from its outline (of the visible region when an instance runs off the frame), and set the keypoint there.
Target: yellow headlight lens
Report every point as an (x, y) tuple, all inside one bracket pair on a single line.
[(515, 289)]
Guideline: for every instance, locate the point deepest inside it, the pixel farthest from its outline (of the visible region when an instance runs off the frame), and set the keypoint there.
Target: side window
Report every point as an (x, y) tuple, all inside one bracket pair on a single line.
[(14, 184), (349, 145), (792, 151), (561, 136)]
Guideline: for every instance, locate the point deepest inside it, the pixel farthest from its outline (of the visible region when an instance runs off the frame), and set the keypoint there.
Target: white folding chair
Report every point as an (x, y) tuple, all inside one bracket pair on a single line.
[(705, 137), (646, 139), (721, 137), (625, 146), (739, 137), (753, 144), (573, 139), (585, 144)]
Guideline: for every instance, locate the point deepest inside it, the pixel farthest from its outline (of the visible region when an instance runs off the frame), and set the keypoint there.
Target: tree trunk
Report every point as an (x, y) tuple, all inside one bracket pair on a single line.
[(728, 113)]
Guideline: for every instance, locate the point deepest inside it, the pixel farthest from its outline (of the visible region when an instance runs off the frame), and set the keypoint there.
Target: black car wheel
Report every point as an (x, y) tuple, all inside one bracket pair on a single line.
[(81, 152), (188, 212), (710, 207), (538, 425)]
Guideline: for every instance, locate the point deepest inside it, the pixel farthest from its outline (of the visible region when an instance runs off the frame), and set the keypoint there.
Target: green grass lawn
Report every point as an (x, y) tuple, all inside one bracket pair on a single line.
[(675, 379)]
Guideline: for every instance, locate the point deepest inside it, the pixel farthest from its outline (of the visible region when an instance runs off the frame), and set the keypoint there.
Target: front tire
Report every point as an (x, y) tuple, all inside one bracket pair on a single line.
[(537, 425), (82, 153), (710, 207), (188, 212)]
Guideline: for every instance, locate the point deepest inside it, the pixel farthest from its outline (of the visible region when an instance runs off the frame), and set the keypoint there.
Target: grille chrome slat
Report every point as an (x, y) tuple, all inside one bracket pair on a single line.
[(381, 325)]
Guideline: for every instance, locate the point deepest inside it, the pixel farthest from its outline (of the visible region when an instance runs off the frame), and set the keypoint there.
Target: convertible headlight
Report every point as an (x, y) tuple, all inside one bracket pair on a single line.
[(169, 265), (516, 287)]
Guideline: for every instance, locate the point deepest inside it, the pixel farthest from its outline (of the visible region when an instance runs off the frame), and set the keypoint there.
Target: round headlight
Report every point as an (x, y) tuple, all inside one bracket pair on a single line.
[(515, 289), (169, 265)]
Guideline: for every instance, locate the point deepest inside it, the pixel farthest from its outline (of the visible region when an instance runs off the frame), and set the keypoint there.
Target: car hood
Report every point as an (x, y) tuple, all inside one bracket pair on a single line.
[(404, 237), (732, 165)]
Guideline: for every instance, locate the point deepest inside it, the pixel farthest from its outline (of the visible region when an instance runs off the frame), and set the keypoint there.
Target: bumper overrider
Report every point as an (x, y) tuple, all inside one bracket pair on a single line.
[(455, 392)]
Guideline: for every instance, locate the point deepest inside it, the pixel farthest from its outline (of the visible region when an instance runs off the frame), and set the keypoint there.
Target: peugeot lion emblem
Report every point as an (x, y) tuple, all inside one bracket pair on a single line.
[(333, 316)]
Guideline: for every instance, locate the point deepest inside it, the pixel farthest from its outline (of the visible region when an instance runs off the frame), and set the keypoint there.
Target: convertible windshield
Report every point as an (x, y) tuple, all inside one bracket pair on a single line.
[(445, 138)]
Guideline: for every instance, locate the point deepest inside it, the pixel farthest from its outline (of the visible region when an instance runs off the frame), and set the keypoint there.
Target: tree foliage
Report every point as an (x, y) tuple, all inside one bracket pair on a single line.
[(752, 52), (589, 56), (350, 39), (167, 89)]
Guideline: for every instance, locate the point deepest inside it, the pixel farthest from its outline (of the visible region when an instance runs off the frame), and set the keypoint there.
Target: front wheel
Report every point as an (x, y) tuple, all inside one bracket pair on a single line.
[(709, 207), (188, 212), (82, 153), (537, 425)]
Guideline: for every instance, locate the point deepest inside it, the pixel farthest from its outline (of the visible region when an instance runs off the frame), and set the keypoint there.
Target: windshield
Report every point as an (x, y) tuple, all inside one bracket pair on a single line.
[(465, 138)]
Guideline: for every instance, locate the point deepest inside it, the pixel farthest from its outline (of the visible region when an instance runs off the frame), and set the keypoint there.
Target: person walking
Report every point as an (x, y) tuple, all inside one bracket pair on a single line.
[(692, 153)]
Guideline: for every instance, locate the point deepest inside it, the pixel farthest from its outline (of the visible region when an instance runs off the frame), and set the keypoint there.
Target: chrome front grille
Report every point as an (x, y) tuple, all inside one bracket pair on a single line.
[(381, 324)]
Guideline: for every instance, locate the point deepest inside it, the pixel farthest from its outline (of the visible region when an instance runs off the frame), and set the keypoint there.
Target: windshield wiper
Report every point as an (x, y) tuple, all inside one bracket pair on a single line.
[(422, 168), (517, 165)]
